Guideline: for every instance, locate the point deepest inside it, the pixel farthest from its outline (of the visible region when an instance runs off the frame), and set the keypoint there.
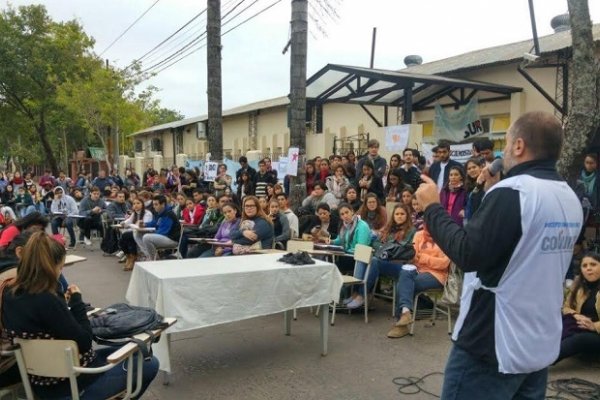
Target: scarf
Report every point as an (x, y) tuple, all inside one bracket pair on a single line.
[(588, 182), (348, 230)]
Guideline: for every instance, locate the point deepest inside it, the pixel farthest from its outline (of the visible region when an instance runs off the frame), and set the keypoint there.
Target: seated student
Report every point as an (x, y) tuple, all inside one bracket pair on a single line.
[(127, 243), (453, 196), (319, 195), (398, 230), (338, 183), (23, 202), (193, 213), (284, 207), (351, 197), (324, 225), (207, 229), (118, 208), (34, 221), (581, 311), (255, 227), (231, 222), (417, 215), (34, 307), (91, 209), (373, 213), (428, 271), (370, 181), (353, 231), (63, 207), (281, 225), (167, 230)]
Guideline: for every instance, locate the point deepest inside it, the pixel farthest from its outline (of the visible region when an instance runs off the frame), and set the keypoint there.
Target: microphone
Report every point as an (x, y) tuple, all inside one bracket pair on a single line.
[(496, 166)]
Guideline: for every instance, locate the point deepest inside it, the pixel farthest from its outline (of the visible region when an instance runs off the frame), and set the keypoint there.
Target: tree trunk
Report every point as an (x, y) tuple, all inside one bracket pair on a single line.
[(213, 61), (298, 96), (43, 135), (584, 116)]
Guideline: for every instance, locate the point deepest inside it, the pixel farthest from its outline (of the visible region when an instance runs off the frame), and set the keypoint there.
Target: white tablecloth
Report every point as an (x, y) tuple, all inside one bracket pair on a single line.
[(203, 292)]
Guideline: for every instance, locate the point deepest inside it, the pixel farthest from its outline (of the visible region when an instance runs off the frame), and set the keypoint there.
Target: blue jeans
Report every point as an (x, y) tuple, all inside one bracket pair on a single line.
[(381, 267), (469, 378), (113, 381), (57, 223), (410, 283)]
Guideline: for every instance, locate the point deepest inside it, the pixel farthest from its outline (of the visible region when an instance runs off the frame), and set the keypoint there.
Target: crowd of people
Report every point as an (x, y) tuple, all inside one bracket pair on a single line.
[(350, 201)]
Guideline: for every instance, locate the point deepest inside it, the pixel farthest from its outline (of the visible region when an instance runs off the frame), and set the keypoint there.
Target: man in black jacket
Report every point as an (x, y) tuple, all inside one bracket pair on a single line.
[(440, 170), (515, 252)]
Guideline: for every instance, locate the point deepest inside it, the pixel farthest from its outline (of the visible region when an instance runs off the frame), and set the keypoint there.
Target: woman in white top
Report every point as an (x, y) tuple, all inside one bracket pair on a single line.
[(127, 242), (338, 183)]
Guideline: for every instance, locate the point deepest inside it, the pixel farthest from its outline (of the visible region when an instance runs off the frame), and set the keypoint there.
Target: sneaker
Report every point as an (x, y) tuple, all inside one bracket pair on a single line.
[(398, 332), (122, 259), (119, 254), (405, 319), (347, 301), (70, 247), (355, 303), (87, 241)]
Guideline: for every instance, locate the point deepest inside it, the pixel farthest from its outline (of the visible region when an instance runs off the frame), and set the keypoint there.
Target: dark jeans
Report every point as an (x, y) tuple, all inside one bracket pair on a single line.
[(579, 343), (88, 223), (411, 283), (382, 267), (468, 378), (112, 381), (127, 243), (57, 222)]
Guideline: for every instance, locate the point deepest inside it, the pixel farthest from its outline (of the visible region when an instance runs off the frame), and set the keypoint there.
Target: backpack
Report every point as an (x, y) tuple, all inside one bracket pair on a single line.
[(110, 242), (117, 324)]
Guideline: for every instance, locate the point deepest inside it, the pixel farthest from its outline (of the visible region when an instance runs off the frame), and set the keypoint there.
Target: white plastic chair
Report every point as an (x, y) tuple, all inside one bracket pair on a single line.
[(363, 254), (60, 359), (435, 295), (175, 247)]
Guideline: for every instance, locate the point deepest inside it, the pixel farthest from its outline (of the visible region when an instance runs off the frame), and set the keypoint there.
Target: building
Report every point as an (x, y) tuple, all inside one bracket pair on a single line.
[(346, 105)]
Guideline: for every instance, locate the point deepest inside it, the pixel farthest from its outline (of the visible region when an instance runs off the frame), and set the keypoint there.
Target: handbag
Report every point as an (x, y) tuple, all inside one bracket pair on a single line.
[(392, 251), (453, 287), (239, 249)]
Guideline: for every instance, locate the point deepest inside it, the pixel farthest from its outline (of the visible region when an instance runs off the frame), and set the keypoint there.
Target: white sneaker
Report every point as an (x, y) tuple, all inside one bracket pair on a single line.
[(347, 301), (355, 303), (87, 241), (119, 254)]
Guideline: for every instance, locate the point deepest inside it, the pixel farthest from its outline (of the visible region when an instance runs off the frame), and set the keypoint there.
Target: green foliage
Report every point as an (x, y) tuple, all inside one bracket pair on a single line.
[(54, 89)]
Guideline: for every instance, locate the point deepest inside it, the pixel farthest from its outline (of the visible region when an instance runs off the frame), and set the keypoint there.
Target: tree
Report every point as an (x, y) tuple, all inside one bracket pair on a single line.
[(38, 55), (214, 91), (583, 121), (298, 95)]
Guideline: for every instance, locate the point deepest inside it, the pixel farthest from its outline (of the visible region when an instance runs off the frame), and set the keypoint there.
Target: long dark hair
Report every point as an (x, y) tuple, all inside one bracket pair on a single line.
[(137, 216), (471, 183), (579, 283), (399, 231), (381, 213)]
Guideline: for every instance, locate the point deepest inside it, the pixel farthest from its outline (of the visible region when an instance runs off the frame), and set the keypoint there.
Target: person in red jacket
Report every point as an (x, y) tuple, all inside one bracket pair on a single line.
[(193, 213)]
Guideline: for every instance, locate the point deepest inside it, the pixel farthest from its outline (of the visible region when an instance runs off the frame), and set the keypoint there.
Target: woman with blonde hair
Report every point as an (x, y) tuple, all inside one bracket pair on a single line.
[(34, 307)]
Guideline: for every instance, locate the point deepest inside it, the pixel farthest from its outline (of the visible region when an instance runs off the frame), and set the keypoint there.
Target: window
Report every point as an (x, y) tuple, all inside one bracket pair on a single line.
[(201, 130), (139, 146), (156, 144)]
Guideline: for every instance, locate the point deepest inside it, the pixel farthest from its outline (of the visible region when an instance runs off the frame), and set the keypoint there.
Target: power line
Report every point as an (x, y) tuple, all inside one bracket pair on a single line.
[(129, 27), (204, 45)]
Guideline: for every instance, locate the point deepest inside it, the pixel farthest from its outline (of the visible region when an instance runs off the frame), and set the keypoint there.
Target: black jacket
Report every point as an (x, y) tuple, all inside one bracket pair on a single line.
[(434, 170), (485, 246)]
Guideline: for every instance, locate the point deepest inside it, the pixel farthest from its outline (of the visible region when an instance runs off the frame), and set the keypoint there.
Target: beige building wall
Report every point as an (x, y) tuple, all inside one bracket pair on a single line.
[(235, 133)]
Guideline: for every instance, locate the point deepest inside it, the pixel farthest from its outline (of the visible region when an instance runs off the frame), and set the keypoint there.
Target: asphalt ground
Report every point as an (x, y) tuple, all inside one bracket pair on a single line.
[(254, 360)]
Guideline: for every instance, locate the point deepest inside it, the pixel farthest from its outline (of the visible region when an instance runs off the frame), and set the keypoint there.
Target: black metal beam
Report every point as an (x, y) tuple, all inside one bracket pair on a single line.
[(334, 89), (434, 96), (540, 89), (471, 95), (407, 107), (370, 114)]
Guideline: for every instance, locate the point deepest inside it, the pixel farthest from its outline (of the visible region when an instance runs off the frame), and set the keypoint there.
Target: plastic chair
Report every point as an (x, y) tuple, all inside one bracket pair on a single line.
[(175, 247), (363, 254), (11, 391), (435, 295), (60, 359)]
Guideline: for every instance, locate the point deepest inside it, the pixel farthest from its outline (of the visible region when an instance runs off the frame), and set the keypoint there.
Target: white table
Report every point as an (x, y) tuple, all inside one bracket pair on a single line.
[(212, 291)]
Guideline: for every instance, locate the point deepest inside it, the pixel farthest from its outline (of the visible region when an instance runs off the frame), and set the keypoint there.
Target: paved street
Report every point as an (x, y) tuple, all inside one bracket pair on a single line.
[(253, 360)]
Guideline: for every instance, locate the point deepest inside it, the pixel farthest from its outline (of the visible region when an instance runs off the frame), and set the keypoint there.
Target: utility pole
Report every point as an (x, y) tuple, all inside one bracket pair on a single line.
[(213, 61), (298, 96)]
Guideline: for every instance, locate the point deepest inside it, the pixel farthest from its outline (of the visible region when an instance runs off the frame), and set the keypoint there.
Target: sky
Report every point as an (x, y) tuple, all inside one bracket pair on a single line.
[(253, 66)]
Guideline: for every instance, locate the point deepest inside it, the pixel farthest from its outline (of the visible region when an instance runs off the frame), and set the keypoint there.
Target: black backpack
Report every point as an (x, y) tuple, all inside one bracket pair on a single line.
[(110, 242), (117, 324)]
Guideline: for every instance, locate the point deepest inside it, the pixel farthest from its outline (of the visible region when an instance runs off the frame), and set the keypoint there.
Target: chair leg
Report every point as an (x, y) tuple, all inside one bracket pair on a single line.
[(393, 298), (366, 305), (434, 312), (415, 311), (333, 313)]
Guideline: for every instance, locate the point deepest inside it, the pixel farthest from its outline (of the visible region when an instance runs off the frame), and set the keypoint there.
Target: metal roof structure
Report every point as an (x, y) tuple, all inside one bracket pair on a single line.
[(411, 91)]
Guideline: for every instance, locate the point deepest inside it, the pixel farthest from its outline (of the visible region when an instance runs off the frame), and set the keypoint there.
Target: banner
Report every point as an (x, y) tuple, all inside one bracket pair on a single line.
[(396, 137), (459, 125), (293, 153), (458, 152), (282, 167)]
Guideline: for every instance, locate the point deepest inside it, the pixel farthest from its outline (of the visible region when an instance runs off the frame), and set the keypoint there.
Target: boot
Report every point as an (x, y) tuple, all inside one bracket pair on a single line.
[(131, 258)]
